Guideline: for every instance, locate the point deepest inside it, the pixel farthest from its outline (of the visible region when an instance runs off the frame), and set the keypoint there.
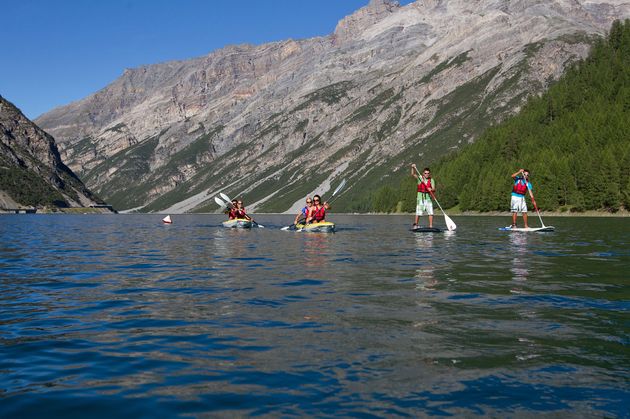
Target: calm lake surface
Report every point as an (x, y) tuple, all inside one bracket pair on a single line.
[(123, 317)]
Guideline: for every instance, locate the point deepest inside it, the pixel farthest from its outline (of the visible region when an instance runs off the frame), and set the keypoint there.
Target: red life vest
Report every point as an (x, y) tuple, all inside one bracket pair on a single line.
[(240, 213), (520, 186), (232, 214), (425, 188), (319, 214)]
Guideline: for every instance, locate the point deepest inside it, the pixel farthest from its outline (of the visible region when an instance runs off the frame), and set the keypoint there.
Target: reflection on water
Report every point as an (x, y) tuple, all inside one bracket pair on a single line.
[(314, 248), (519, 250), (425, 254), (122, 316)]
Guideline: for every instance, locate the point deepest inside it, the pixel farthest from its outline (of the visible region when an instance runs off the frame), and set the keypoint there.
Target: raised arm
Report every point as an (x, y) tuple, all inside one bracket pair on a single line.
[(414, 171)]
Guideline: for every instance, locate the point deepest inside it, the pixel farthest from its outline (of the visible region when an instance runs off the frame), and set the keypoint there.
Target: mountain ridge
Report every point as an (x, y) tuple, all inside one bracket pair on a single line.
[(391, 81)]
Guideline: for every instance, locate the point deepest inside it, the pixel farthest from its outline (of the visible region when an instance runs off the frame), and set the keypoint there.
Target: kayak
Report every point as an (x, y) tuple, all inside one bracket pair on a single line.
[(323, 227), (238, 223), (529, 229), (426, 230)]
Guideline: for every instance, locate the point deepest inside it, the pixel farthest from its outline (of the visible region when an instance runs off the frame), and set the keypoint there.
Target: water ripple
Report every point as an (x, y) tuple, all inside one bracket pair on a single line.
[(120, 316)]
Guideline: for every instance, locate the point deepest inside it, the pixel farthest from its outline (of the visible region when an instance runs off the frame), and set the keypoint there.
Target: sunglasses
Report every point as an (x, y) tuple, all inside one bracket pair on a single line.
[(316, 200), (309, 202)]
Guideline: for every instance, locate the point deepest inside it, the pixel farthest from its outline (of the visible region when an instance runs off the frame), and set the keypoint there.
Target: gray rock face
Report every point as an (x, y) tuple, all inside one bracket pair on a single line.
[(29, 159), (274, 122)]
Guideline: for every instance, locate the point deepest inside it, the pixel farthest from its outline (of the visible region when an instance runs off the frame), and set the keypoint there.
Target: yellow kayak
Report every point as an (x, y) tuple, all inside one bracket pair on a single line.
[(238, 223), (323, 227)]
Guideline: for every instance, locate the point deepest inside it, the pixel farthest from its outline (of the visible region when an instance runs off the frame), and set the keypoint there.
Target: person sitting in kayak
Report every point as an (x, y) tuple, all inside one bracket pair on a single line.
[(231, 211), (317, 213), (303, 214), (240, 211), (426, 186), (518, 204)]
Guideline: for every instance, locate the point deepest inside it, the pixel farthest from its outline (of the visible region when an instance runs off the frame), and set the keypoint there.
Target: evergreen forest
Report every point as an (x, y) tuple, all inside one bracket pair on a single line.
[(575, 140)]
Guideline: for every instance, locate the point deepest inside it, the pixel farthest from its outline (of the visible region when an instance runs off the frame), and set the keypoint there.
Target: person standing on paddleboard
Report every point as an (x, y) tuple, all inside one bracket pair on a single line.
[(518, 204), (426, 186)]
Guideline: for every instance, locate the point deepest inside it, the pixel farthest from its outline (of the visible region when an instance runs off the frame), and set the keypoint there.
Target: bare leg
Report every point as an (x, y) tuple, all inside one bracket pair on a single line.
[(514, 218), (525, 219), (430, 221)]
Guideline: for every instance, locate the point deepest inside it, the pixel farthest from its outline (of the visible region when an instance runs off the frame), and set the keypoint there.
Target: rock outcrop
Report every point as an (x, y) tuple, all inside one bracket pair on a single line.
[(274, 122), (31, 170)]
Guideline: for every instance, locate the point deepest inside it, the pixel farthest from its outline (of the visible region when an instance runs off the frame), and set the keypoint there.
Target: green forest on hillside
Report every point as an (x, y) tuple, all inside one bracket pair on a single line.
[(575, 140)]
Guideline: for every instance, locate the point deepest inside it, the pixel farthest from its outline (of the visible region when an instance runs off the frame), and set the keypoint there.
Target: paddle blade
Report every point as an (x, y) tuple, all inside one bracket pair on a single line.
[(340, 187), (219, 202), (224, 196), (449, 223)]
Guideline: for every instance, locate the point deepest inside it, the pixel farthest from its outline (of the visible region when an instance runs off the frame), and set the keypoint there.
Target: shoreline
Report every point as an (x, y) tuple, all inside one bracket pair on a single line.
[(597, 214)]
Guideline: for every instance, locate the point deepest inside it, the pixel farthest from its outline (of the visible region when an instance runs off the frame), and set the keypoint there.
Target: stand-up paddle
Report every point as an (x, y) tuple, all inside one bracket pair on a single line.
[(450, 224), (544, 227), (531, 195)]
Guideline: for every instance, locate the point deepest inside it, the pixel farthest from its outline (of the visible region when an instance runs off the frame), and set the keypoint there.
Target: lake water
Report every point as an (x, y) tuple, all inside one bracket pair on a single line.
[(123, 317)]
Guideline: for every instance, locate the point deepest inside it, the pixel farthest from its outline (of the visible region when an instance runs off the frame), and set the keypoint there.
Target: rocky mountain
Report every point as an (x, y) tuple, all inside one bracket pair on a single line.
[(274, 122), (31, 170)]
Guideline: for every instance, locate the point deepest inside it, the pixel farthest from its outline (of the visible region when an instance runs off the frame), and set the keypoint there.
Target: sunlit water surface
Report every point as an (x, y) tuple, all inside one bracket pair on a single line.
[(121, 316)]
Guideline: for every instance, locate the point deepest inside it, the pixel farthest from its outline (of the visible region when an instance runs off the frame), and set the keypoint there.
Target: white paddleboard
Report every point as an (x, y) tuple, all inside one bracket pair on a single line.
[(529, 229)]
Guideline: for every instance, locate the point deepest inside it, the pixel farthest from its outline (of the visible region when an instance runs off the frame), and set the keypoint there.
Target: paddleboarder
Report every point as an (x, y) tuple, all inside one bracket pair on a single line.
[(426, 187), (518, 204)]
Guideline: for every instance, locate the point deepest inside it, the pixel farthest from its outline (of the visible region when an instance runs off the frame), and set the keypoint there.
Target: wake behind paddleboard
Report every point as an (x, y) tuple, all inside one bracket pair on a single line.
[(426, 230), (529, 229)]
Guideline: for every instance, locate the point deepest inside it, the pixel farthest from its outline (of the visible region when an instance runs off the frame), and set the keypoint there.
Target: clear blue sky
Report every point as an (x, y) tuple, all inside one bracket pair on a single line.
[(56, 52)]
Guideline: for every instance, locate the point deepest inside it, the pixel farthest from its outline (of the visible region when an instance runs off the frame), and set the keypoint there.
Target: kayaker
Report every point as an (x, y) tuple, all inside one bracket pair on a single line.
[(426, 186), (317, 213), (303, 214), (240, 211), (518, 204), (231, 212)]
